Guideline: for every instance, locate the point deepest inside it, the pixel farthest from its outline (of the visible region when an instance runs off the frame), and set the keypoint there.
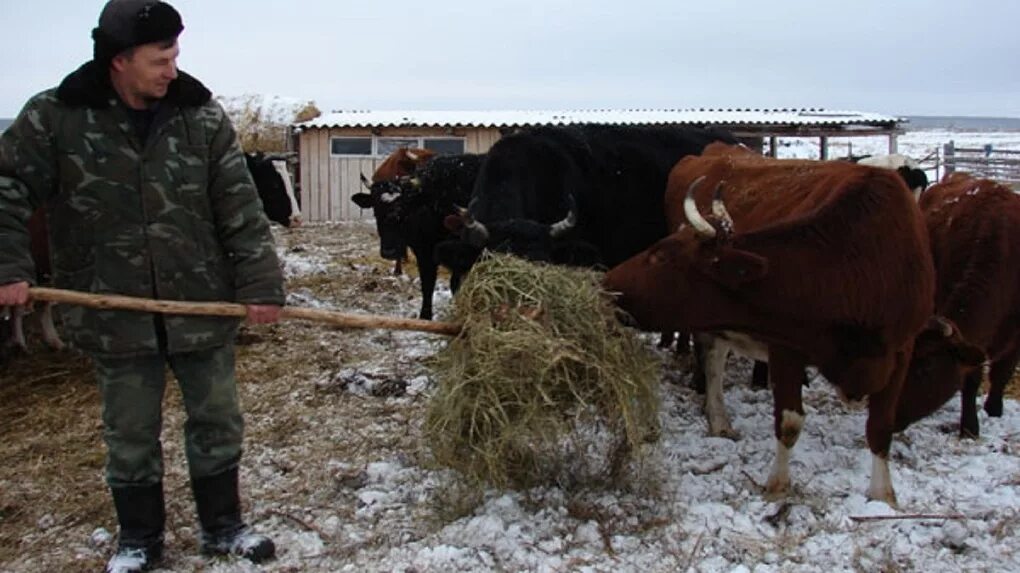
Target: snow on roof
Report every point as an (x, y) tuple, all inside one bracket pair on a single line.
[(526, 118)]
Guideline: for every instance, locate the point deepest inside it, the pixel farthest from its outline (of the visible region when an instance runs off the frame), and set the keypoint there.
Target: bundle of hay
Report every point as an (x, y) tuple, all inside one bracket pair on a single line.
[(543, 385)]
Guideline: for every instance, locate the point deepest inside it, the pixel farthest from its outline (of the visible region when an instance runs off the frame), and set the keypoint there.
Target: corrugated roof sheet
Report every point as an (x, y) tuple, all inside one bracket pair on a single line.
[(526, 118)]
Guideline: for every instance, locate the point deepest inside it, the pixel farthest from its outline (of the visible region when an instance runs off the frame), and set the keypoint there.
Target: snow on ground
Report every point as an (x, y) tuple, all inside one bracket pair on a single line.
[(334, 470), (697, 504)]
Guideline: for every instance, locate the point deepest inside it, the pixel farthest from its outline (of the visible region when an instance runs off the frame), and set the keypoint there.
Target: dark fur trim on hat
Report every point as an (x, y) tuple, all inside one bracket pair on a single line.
[(89, 86)]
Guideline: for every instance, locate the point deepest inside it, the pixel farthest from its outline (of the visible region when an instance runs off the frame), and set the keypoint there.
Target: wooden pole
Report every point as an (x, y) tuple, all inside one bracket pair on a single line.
[(335, 318)]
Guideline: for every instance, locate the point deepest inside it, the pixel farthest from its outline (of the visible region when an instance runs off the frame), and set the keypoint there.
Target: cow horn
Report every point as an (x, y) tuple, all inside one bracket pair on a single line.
[(364, 181), (701, 226), (945, 326), (411, 155), (476, 233), (720, 212), (560, 228)]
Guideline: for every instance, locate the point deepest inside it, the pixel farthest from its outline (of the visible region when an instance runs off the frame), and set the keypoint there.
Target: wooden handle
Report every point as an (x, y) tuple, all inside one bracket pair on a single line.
[(333, 317)]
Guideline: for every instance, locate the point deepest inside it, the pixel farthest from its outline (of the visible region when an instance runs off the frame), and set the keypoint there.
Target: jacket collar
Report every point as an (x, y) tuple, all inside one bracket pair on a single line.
[(89, 86)]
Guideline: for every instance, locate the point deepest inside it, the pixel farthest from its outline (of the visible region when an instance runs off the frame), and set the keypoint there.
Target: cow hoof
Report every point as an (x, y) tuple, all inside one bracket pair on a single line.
[(886, 496), (994, 409), (969, 429), (776, 487)]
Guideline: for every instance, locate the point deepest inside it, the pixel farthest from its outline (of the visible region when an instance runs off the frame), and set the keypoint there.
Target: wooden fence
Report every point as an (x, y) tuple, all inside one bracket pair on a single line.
[(1002, 165)]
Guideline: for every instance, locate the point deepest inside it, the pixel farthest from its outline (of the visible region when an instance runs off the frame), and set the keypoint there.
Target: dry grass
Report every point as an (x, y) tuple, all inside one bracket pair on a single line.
[(542, 375)]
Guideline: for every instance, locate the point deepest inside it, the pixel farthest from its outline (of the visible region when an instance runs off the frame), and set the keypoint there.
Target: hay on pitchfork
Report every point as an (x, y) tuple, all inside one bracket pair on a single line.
[(544, 385)]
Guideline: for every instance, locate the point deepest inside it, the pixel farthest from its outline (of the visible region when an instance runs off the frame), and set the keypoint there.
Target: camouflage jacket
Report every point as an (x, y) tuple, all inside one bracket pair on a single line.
[(176, 217)]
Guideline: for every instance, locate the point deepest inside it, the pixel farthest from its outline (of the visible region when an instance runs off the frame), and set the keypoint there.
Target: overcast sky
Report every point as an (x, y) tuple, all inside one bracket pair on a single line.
[(899, 57)]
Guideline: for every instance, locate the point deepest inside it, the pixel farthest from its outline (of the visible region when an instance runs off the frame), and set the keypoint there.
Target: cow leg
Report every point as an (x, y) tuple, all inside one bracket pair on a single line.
[(683, 344), (969, 426), (760, 375), (698, 368), (786, 369), (666, 339), (427, 271), (881, 423), (398, 267), (999, 374), (455, 278), (49, 331), (716, 352)]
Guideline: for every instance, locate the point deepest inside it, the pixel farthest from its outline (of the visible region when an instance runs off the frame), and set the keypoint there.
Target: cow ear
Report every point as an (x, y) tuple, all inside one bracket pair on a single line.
[(965, 352), (733, 267), (363, 200)]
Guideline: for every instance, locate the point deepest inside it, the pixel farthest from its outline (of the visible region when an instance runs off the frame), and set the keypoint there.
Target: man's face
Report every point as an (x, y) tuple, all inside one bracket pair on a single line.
[(147, 70)]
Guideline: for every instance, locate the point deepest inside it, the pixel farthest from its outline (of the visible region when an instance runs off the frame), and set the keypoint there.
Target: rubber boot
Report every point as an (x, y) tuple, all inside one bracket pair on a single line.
[(219, 513), (141, 515)]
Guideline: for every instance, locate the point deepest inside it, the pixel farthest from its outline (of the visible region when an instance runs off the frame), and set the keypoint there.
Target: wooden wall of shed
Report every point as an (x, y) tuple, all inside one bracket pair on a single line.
[(327, 182)]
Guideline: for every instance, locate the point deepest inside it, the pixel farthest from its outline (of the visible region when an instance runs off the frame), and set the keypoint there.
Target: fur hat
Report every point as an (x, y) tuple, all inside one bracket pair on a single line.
[(125, 24)]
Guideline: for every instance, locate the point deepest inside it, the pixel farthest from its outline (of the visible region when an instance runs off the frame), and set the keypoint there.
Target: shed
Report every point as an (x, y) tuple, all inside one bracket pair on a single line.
[(335, 148)]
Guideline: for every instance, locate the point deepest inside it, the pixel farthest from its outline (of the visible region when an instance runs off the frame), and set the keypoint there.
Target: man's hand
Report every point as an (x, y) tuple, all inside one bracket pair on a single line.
[(16, 294), (262, 313)]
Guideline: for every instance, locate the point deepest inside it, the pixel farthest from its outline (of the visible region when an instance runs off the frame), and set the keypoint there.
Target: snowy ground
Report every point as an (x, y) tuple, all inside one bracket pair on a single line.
[(335, 471)]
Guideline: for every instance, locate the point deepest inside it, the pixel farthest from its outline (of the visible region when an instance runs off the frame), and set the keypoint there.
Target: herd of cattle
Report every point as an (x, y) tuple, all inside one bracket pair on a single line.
[(897, 293)]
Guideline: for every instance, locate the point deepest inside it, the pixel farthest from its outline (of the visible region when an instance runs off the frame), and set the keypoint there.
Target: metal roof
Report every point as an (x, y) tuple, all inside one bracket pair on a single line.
[(527, 118)]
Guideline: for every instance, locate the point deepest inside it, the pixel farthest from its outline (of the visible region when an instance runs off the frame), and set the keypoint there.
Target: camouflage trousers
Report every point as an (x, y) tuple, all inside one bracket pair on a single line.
[(132, 390)]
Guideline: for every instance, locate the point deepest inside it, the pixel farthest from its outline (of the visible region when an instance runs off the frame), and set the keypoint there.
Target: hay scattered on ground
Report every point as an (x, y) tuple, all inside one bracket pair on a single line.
[(544, 384)]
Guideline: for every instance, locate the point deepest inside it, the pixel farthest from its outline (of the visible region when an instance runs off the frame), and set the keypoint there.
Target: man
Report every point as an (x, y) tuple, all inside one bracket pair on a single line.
[(148, 195)]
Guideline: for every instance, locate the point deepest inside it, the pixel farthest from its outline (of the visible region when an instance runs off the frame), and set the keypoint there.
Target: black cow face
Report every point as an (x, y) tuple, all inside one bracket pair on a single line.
[(388, 201)]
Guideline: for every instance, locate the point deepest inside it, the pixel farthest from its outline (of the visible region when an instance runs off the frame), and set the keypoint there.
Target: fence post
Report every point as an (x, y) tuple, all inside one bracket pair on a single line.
[(950, 150)]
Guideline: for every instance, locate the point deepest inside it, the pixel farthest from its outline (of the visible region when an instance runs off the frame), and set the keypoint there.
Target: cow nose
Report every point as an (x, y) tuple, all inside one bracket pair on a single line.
[(295, 220)]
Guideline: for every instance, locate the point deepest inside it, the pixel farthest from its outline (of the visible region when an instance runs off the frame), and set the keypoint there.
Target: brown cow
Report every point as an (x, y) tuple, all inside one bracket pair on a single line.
[(825, 263), (974, 225)]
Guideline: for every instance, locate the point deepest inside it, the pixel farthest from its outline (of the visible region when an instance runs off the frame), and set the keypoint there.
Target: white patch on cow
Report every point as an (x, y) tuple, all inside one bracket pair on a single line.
[(890, 161), (881, 488), (389, 197), (789, 430), (717, 348), (779, 478), (295, 211), (716, 352)]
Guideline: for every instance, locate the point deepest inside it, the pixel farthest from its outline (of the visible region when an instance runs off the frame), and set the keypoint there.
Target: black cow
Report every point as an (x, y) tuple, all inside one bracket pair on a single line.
[(269, 171), (409, 213), (584, 195)]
